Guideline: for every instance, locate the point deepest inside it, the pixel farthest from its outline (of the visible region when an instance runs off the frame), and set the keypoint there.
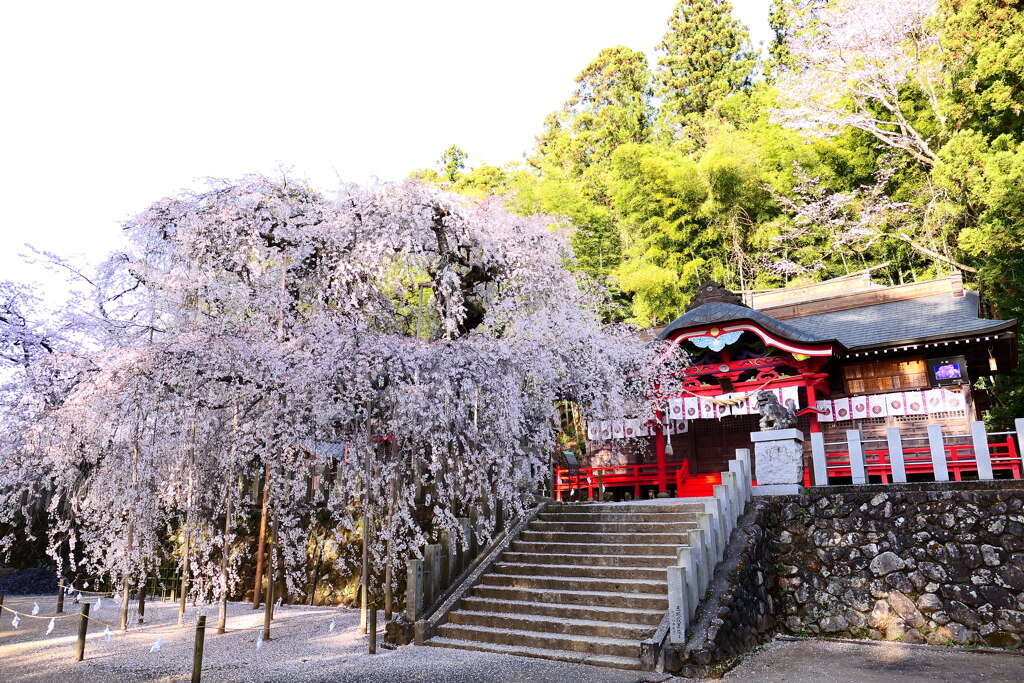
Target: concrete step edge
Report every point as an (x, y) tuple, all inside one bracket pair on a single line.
[(611, 661), (580, 623), (551, 605)]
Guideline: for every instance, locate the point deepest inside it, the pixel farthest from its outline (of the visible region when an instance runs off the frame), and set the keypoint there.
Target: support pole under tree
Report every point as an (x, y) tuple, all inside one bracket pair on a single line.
[(261, 546), (126, 597), (197, 653), (184, 581), (389, 578), (364, 592), (83, 626), (60, 597), (222, 613), (372, 630), (268, 612), (142, 600)]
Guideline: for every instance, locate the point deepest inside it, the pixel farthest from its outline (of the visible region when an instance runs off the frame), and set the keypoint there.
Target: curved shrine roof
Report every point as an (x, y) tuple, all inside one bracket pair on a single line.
[(721, 312)]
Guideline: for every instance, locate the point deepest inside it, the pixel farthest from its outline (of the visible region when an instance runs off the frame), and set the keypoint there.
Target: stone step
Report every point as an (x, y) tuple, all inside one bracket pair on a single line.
[(557, 655), (617, 647), (647, 601), (613, 527), (592, 571), (559, 583), (591, 560), (641, 535), (545, 624), (668, 550), (647, 617), (693, 505), (638, 518)]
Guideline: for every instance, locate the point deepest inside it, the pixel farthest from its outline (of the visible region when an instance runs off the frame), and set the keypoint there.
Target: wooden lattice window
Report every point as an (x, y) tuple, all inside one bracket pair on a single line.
[(886, 375)]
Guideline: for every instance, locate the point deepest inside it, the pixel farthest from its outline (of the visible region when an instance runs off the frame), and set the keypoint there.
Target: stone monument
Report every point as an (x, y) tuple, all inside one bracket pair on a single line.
[(778, 449)]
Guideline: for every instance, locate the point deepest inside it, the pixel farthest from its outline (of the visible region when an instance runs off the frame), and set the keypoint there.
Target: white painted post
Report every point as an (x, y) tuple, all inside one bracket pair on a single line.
[(704, 523), (700, 558), (818, 458), (678, 613), (723, 496), (736, 469), (688, 561), (1019, 426), (857, 467), (982, 455), (743, 455), (938, 453), (414, 591), (896, 461), (733, 489), (713, 507)]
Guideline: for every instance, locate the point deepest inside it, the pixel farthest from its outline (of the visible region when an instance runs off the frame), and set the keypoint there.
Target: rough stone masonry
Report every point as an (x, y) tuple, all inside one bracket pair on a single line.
[(935, 563)]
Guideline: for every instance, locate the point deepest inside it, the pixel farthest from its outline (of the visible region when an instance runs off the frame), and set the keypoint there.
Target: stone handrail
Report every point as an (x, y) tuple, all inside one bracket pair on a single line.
[(689, 579)]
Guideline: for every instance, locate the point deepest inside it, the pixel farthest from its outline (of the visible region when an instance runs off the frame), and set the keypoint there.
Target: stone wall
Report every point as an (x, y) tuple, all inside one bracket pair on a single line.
[(738, 612), (942, 564)]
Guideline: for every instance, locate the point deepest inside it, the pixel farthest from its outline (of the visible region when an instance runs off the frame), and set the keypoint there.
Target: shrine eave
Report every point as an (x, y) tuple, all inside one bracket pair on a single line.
[(719, 318)]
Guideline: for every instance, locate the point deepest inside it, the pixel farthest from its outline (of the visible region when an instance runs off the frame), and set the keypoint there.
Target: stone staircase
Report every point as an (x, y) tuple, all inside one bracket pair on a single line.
[(582, 583)]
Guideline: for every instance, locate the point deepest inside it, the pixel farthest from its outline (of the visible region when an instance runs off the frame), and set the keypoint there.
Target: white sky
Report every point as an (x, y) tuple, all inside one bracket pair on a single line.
[(108, 106)]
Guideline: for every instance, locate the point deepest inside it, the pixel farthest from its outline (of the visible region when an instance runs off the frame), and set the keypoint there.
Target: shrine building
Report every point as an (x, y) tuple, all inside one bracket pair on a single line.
[(845, 354)]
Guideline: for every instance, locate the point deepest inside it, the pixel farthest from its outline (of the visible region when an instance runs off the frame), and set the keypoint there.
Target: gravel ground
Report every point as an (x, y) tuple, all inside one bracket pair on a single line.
[(824, 661), (302, 649)]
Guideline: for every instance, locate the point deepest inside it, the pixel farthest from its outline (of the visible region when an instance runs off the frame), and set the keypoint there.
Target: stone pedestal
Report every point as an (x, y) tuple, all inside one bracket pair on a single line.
[(778, 462)]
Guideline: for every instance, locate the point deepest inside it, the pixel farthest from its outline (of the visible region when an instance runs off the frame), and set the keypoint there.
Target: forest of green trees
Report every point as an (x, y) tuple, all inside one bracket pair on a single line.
[(868, 134)]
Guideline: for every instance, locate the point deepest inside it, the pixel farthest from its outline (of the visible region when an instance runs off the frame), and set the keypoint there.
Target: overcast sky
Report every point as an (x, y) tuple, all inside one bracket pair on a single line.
[(108, 106)]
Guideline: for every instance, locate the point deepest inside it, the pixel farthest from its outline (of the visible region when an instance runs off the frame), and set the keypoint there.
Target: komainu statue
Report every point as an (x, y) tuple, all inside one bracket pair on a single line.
[(774, 415)]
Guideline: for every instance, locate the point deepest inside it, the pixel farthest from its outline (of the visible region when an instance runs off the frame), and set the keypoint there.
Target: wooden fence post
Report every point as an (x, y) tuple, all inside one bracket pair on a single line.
[(982, 455), (938, 449), (858, 470), (83, 626), (818, 458), (896, 460), (197, 652), (60, 597)]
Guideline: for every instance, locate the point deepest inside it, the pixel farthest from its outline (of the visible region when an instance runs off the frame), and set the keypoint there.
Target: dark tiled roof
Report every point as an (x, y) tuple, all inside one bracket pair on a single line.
[(883, 324), (720, 312)]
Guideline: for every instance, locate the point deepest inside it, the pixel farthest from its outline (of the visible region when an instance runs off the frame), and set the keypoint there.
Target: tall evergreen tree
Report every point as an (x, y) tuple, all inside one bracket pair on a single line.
[(704, 56)]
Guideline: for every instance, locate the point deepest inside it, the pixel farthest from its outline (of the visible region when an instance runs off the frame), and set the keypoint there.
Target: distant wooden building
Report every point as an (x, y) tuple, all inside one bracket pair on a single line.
[(846, 353)]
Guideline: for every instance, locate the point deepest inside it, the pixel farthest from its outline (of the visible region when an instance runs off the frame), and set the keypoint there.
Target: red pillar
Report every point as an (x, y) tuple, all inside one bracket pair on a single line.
[(659, 449), (812, 402)]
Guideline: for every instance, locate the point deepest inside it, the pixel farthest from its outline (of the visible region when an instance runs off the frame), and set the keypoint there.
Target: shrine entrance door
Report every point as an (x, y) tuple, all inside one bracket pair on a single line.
[(714, 442)]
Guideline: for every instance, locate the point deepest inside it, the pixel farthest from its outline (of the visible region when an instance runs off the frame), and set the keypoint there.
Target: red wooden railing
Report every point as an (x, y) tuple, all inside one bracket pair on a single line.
[(635, 476), (960, 460)]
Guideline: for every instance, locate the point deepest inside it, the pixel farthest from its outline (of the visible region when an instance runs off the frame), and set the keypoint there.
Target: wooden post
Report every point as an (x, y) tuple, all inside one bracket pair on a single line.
[(372, 630), (858, 471), (982, 455), (818, 459), (83, 626), (600, 486), (389, 579), (261, 545), (896, 460), (197, 652), (938, 449), (364, 580), (60, 597)]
